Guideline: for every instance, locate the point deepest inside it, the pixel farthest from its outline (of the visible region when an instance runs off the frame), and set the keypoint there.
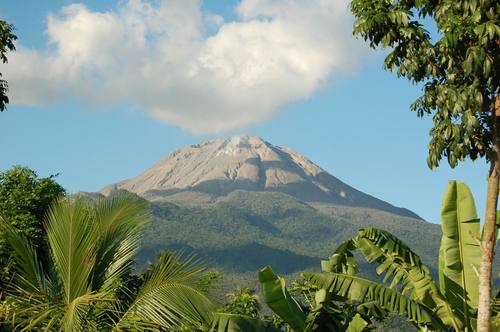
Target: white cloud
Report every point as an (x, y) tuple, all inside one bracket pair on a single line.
[(158, 57)]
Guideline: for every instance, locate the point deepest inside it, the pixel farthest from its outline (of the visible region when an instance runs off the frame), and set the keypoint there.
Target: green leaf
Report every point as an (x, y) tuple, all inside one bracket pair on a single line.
[(31, 276), (357, 324), (118, 221), (72, 239), (169, 297), (224, 322), (358, 289), (342, 260), (78, 292), (399, 263), (459, 254), (279, 299)]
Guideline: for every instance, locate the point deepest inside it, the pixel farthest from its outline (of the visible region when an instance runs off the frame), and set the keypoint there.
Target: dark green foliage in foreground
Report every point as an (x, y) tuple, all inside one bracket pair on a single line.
[(24, 201), (7, 39), (85, 285)]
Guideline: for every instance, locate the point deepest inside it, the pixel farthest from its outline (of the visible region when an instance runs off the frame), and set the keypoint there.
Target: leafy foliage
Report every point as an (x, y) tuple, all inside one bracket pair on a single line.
[(358, 289), (81, 286), (402, 268), (224, 322), (459, 71), (460, 75), (339, 300), (459, 255), (496, 311), (278, 298), (243, 302), (24, 200), (7, 39)]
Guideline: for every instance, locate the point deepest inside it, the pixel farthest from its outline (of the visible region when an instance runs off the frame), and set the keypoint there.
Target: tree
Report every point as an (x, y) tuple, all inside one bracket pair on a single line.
[(7, 39), (243, 302), (460, 78), (81, 287), (24, 200)]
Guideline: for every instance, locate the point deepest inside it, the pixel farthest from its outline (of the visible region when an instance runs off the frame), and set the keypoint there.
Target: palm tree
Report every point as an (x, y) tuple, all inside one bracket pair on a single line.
[(83, 287)]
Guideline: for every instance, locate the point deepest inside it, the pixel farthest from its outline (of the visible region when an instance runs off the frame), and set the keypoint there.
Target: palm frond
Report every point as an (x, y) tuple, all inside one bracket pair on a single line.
[(72, 239), (30, 277), (118, 220), (76, 314), (27, 314), (92, 246), (169, 297)]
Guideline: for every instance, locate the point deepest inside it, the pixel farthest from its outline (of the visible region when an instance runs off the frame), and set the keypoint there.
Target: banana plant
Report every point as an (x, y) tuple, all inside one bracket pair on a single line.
[(321, 310), (454, 303), (460, 253), (407, 288)]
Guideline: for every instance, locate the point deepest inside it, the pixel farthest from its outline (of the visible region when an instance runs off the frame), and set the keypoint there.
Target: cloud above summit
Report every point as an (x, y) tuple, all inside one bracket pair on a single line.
[(186, 67)]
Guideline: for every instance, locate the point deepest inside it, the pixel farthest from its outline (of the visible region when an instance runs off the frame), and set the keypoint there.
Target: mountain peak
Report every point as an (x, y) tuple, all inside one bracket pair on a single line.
[(235, 144), (220, 166)]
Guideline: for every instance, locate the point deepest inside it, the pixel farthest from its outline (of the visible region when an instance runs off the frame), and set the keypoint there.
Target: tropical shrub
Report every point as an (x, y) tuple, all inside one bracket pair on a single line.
[(243, 302)]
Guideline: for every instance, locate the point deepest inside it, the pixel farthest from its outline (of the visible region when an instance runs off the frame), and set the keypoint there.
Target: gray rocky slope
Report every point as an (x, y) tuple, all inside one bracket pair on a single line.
[(219, 167)]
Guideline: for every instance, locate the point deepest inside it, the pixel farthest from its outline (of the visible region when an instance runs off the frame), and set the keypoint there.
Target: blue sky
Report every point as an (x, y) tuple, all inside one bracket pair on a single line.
[(316, 90)]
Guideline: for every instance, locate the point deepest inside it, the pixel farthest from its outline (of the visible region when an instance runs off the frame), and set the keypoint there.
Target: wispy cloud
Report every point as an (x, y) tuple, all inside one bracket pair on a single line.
[(157, 56)]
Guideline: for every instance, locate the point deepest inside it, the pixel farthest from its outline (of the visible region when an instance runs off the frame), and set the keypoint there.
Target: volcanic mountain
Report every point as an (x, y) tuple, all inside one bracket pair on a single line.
[(244, 203), (219, 167)]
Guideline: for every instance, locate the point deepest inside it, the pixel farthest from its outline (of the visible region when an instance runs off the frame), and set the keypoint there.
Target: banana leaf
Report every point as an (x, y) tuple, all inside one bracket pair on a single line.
[(279, 299), (459, 254), (342, 260), (357, 324), (402, 269), (358, 289), (397, 261)]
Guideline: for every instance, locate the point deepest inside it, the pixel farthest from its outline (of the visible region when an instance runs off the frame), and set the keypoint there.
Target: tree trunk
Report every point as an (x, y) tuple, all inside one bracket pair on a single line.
[(489, 238)]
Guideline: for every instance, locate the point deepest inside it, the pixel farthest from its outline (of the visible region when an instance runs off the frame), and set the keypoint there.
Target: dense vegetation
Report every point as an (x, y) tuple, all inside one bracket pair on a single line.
[(77, 267), (274, 229), (458, 69), (24, 200), (85, 284), (67, 263)]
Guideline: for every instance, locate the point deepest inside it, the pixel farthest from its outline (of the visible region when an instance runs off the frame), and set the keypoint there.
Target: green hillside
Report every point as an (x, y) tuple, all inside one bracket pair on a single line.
[(244, 231)]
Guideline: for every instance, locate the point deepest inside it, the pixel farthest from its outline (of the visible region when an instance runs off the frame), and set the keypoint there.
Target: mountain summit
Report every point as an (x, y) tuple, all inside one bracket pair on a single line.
[(218, 167)]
